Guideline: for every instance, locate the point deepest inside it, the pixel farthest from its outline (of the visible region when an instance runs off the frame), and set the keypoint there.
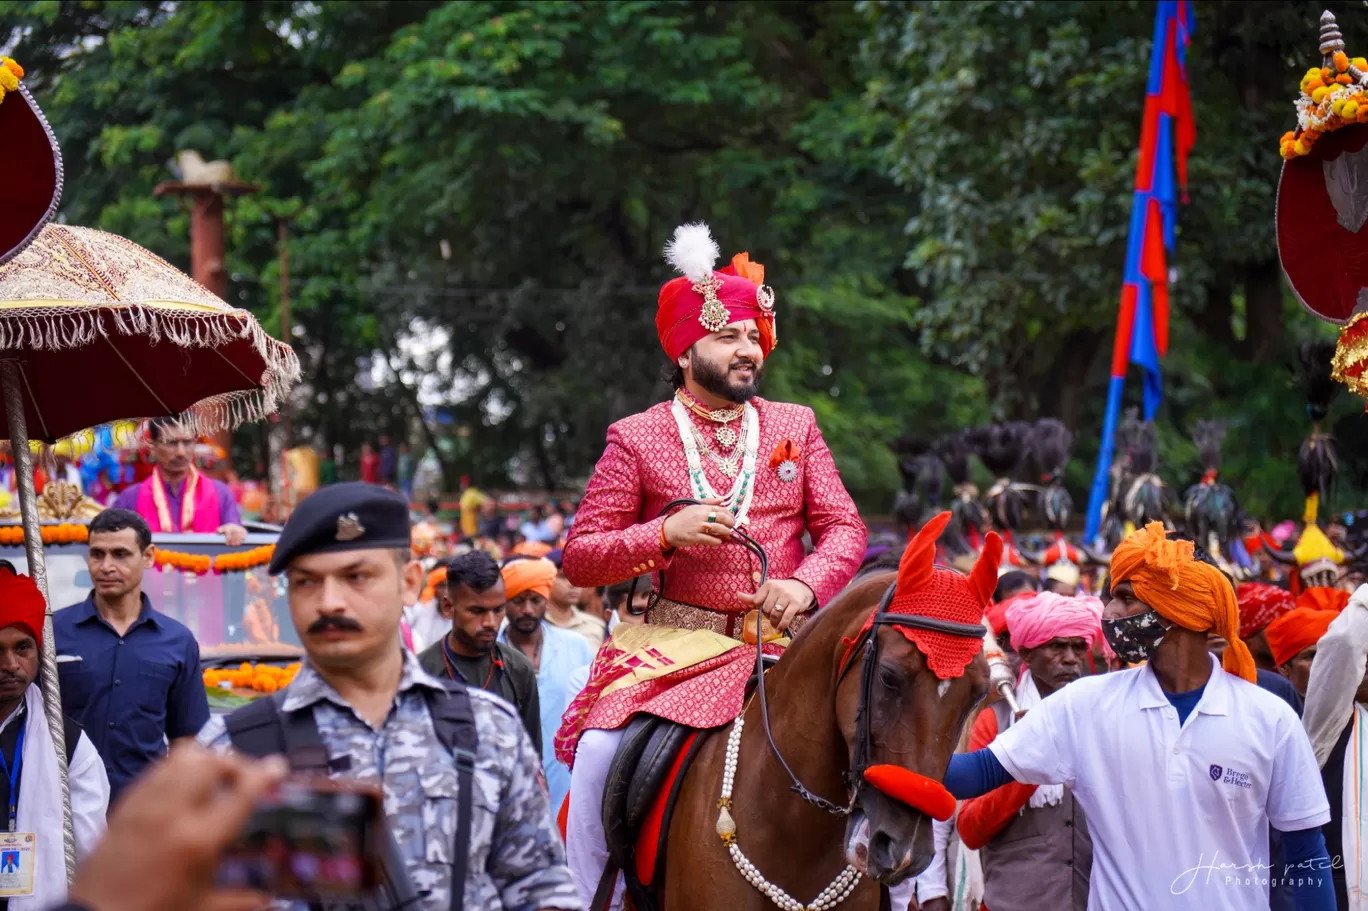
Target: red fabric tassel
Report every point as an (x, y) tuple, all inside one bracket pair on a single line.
[(917, 791)]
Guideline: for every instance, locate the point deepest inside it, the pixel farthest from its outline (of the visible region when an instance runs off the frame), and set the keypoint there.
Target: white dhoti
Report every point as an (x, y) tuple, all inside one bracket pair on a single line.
[(586, 847)]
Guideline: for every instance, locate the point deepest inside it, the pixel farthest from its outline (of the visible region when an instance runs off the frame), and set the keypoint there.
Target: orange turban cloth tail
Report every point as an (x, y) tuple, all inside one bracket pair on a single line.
[(1180, 588), (528, 575)]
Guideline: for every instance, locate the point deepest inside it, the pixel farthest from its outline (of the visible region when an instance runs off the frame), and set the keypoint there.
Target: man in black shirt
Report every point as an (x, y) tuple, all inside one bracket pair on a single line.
[(472, 598)]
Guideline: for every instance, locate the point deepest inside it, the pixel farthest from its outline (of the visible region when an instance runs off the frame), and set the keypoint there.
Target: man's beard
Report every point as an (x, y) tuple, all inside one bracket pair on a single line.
[(714, 379), (525, 625), (468, 641)]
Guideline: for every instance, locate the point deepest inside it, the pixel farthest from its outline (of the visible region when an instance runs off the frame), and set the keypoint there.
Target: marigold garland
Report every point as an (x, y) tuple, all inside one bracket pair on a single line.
[(10, 74), (200, 564), (1351, 355), (1332, 97), (264, 678)]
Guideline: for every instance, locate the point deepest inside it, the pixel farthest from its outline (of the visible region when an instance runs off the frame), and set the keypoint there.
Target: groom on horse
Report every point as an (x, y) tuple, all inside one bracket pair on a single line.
[(754, 464)]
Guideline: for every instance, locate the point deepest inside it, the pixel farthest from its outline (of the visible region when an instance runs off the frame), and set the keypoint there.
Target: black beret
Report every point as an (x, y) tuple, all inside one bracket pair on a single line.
[(352, 516)]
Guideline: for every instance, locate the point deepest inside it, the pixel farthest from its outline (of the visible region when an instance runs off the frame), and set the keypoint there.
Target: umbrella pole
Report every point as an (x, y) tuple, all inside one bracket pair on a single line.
[(13, 384)]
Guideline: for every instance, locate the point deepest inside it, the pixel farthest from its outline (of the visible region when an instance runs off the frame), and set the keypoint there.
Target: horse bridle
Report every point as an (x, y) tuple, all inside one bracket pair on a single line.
[(854, 778), (882, 617)]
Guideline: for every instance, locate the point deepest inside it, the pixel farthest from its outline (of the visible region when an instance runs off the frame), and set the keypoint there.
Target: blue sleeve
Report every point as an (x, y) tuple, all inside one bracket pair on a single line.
[(1306, 867), (975, 774), (228, 508), (187, 707)]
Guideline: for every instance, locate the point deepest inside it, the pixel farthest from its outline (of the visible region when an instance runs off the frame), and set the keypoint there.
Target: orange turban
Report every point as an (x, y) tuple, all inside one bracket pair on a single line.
[(1321, 598), (532, 549), (1295, 631), (1180, 588), (528, 576), (434, 578)]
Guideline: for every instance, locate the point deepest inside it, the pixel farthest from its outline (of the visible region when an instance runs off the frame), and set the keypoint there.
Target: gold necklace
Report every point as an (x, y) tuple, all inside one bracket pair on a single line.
[(721, 416), (729, 465)]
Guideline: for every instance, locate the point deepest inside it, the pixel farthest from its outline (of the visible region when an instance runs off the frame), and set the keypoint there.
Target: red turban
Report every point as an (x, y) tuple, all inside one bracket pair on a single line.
[(21, 604), (1295, 631), (1259, 604), (703, 300), (996, 614)]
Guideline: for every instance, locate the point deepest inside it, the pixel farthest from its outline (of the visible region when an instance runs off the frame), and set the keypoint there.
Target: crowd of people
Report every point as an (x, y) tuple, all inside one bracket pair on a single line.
[(1177, 728)]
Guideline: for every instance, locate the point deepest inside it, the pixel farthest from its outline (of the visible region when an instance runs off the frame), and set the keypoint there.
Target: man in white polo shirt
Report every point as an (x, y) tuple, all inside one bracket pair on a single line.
[(1179, 765)]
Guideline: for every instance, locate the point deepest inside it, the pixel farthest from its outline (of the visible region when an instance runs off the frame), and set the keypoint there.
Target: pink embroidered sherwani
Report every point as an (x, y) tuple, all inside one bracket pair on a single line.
[(616, 536)]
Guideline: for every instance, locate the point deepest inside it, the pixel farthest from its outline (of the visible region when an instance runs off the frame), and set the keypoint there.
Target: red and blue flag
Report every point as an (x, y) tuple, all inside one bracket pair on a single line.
[(1166, 136)]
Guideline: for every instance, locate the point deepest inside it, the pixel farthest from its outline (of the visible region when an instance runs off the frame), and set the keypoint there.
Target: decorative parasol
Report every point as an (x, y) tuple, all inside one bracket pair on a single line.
[(93, 329), (31, 155), (1322, 203)]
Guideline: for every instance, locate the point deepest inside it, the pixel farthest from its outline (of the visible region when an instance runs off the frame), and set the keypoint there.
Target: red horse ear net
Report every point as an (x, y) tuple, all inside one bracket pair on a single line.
[(944, 594)]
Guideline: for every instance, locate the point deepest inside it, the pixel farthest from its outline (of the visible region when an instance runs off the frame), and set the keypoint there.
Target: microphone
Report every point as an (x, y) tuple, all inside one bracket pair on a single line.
[(1000, 675)]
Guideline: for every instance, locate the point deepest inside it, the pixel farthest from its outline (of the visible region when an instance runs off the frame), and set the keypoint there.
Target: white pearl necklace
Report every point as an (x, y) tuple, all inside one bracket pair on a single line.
[(830, 897)]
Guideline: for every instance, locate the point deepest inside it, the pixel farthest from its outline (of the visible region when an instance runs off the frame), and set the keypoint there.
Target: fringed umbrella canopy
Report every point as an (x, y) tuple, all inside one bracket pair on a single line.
[(103, 329)]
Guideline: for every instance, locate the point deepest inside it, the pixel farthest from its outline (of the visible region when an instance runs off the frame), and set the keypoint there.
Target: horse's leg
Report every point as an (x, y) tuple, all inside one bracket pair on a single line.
[(586, 847)]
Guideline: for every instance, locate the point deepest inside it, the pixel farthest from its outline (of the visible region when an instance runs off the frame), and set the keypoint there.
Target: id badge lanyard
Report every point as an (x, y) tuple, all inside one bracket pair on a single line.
[(13, 775)]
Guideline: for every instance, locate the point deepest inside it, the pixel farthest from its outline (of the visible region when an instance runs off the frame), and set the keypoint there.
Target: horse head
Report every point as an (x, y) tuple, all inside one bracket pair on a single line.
[(908, 673)]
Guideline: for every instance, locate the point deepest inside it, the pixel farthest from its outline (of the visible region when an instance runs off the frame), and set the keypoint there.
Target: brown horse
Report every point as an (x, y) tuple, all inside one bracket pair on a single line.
[(814, 696)]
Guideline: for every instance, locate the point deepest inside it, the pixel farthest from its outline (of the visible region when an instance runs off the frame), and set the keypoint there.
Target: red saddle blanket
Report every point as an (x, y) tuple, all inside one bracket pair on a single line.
[(648, 839)]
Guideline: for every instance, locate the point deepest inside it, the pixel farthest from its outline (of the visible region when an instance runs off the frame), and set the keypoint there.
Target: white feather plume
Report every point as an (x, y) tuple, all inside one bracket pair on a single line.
[(692, 251)]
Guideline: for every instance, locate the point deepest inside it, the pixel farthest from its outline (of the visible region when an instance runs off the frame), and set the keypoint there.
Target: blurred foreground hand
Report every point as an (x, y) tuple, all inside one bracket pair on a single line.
[(168, 831)]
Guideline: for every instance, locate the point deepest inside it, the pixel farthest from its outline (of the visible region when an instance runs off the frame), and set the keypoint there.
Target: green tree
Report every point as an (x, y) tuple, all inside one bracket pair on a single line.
[(507, 173), (1018, 135)]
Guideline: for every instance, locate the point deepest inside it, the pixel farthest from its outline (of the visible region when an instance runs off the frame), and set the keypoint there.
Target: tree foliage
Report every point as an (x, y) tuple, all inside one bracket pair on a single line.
[(940, 193)]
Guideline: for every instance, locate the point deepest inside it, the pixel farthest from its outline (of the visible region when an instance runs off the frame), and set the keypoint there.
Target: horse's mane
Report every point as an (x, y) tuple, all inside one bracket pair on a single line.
[(861, 594)]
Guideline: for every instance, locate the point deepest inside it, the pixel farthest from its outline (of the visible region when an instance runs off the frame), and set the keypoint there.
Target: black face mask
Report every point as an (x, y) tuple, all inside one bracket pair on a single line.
[(1135, 638)]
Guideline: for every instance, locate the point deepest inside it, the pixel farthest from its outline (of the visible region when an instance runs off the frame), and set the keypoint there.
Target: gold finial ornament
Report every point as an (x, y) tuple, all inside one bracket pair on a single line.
[(1331, 39)]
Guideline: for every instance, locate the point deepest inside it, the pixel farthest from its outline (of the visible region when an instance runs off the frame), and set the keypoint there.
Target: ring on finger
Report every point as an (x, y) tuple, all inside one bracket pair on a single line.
[(712, 517)]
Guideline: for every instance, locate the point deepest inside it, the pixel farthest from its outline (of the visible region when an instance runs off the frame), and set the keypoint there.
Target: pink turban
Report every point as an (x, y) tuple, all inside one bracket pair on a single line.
[(1044, 616)]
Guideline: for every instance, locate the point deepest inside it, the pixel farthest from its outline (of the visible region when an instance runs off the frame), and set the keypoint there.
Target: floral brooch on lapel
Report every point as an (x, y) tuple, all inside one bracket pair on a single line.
[(784, 461)]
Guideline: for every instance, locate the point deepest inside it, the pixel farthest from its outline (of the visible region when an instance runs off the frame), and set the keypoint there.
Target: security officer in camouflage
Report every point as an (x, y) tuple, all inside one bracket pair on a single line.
[(345, 554)]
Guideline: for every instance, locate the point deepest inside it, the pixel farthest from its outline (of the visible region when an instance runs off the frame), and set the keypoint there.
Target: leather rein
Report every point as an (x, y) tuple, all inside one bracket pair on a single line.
[(863, 735)]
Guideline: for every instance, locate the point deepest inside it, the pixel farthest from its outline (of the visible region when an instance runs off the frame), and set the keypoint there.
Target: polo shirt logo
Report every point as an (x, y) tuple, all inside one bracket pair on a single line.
[(1230, 777)]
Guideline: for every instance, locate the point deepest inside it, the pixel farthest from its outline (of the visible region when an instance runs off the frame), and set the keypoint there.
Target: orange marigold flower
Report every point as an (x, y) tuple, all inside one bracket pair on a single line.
[(13, 66), (1341, 61)]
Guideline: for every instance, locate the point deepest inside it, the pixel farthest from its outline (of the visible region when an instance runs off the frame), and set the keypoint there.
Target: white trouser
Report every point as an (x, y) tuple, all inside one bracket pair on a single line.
[(586, 847)]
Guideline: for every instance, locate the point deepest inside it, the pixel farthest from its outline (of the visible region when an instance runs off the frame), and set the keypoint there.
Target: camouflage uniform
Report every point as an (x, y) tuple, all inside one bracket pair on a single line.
[(517, 860)]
